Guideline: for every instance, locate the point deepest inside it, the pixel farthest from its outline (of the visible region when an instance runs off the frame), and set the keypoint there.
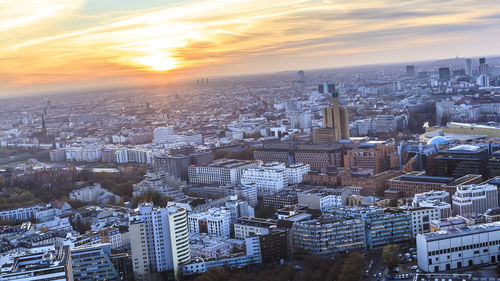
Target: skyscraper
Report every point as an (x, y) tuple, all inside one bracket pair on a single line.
[(159, 239), (335, 118), (410, 70), (483, 67), (468, 67), (444, 74)]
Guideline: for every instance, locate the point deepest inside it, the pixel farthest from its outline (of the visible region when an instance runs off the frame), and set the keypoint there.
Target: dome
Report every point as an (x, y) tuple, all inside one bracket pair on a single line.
[(438, 140)]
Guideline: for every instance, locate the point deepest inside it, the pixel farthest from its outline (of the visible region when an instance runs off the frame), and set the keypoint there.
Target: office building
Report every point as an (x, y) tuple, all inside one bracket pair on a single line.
[(367, 179), (474, 199), (382, 225), (483, 67), (439, 200), (285, 197), (272, 177), (461, 160), (494, 164), (159, 239), (444, 74), (468, 67), (418, 182), (93, 263), (246, 227), (54, 264), (94, 193), (328, 235), (368, 157), (324, 198), (459, 247), (222, 171), (318, 157), (216, 221), (274, 247)]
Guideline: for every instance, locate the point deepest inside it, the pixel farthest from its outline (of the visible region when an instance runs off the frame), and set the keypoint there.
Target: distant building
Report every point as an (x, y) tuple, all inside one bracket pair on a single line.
[(94, 193), (410, 70), (335, 119), (318, 157), (223, 171), (272, 177), (468, 67), (444, 74), (373, 158)]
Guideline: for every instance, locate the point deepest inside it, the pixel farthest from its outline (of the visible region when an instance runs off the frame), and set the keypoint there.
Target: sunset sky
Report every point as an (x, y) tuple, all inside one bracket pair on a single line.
[(63, 44)]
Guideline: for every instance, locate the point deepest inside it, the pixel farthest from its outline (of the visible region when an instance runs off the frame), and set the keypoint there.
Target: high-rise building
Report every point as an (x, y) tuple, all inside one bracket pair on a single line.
[(159, 239), (444, 74), (410, 70), (335, 120), (468, 67), (483, 67), (326, 88)]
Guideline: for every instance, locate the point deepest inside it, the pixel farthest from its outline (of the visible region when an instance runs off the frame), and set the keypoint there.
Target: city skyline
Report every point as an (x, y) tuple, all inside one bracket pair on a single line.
[(125, 43)]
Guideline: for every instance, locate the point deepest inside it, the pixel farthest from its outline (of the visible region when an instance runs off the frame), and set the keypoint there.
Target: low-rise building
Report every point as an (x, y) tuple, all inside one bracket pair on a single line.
[(459, 247), (325, 198)]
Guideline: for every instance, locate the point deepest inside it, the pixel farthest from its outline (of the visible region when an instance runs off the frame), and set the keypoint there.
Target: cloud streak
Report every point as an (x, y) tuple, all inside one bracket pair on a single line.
[(44, 47)]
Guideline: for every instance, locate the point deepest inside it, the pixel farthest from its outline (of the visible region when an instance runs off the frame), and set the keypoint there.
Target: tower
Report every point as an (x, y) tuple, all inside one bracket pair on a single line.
[(483, 67), (335, 118), (159, 239), (468, 67)]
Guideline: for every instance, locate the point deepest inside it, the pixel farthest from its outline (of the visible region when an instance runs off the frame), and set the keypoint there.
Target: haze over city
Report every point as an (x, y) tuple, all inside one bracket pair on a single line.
[(57, 44), (249, 140)]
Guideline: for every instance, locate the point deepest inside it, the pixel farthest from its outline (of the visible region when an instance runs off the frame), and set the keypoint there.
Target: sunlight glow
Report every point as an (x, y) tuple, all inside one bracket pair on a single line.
[(157, 62)]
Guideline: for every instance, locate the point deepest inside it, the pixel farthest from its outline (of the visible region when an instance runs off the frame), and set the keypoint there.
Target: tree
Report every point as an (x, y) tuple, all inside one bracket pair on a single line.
[(352, 267), (390, 254), (214, 274)]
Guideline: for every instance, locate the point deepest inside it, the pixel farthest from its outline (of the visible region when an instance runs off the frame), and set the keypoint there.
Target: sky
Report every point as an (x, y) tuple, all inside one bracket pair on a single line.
[(50, 45)]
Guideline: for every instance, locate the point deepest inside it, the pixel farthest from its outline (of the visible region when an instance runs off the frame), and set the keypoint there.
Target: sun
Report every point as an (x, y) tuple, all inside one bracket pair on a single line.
[(158, 62)]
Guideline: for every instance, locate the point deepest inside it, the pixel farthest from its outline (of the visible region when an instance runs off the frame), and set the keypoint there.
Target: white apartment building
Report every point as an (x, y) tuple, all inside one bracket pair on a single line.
[(93, 193), (459, 247), (295, 172), (324, 199), (273, 177), (215, 221), (84, 154), (223, 171), (441, 196), (159, 239), (421, 218), (246, 226), (474, 199)]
